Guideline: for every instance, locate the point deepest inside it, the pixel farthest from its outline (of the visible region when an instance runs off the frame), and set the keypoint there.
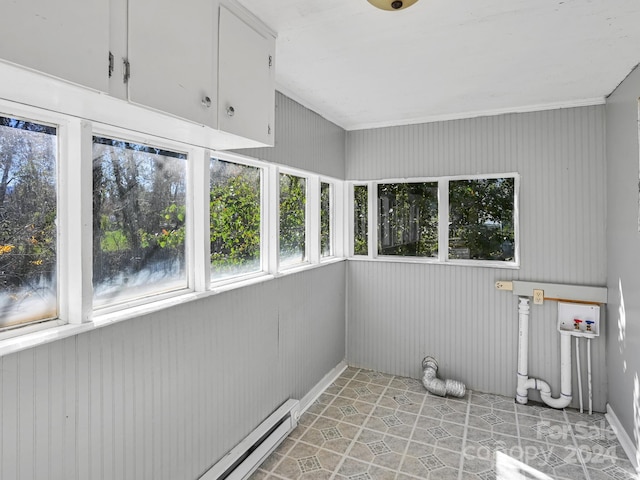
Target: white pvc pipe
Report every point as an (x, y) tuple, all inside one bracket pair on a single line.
[(522, 395), (579, 373), (589, 375), (524, 382), (565, 376)]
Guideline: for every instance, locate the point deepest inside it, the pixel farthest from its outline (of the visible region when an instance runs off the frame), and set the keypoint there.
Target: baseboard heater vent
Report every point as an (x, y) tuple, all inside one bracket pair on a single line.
[(247, 456)]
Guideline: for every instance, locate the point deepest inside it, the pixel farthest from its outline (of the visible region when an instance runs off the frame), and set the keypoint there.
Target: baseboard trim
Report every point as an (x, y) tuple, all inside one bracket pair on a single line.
[(627, 444), (237, 464), (321, 386)]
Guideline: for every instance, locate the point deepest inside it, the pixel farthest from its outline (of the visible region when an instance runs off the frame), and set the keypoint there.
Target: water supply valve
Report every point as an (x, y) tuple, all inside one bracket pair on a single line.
[(579, 319)]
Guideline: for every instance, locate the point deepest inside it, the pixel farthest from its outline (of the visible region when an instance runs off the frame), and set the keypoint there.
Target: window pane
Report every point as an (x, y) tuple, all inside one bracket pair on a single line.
[(293, 193), (28, 208), (481, 225), (408, 219), (325, 220), (360, 220), (139, 215), (235, 219)]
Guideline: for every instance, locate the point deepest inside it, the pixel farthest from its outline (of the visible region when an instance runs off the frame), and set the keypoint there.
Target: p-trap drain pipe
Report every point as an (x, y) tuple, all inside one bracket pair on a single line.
[(524, 381)]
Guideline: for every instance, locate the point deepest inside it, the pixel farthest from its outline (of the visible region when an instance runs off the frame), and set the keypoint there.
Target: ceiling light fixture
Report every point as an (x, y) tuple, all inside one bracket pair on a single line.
[(392, 4)]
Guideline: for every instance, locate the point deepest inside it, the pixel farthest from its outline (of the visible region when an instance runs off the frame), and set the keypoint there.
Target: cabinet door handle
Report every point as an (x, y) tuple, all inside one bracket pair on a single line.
[(206, 102), (231, 111)]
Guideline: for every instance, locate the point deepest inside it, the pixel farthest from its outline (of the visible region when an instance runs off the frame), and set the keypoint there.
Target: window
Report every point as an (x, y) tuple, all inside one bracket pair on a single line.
[(293, 199), (449, 219), (234, 208), (408, 219), (481, 222), (326, 234), (28, 212), (139, 218), (360, 219), (83, 247)]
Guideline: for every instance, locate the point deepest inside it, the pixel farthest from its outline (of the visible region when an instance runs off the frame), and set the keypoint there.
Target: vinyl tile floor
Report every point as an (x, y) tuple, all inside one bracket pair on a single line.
[(369, 426)]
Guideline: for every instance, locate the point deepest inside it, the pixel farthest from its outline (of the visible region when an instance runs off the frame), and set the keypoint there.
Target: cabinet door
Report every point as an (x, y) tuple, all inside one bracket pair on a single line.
[(69, 40), (172, 56), (246, 92), (118, 48)]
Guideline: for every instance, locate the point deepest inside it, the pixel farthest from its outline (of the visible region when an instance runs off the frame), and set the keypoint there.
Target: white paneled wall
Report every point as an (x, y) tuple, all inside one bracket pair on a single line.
[(398, 313), (166, 395), (304, 140), (623, 249)]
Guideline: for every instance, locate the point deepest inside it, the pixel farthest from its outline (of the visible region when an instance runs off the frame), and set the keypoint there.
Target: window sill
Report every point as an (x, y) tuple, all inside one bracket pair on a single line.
[(225, 286), (435, 261), (46, 335), (52, 331), (308, 266)]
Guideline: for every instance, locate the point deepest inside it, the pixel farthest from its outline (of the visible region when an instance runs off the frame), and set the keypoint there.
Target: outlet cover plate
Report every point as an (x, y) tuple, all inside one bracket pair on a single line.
[(538, 297)]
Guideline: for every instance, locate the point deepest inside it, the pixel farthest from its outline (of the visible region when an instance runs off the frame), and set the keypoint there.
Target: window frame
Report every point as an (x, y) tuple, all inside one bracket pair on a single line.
[(264, 216), (516, 223), (62, 125), (370, 218), (376, 224), (76, 313), (108, 131), (312, 197), (443, 221), (332, 215)]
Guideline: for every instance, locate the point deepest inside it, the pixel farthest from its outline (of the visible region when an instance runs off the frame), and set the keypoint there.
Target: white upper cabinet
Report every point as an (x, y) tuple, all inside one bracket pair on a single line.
[(172, 57), (69, 40), (197, 60), (246, 66)]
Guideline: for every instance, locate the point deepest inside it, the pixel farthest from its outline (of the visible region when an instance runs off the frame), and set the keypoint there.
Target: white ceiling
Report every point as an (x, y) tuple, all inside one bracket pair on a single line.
[(361, 67)]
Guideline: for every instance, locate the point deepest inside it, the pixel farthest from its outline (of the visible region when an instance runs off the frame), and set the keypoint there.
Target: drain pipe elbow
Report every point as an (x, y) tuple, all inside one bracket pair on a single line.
[(545, 393), (564, 399), (561, 402), (437, 386), (525, 383)]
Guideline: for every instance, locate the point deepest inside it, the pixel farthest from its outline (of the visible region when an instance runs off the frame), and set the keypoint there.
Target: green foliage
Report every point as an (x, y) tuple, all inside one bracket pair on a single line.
[(481, 219), (173, 232), (114, 241), (27, 203), (235, 222), (325, 219), (293, 198), (139, 214), (361, 220), (408, 219), (481, 223)]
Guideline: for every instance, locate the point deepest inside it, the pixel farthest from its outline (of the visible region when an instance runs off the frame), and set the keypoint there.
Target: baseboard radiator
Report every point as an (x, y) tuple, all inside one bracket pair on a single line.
[(247, 456)]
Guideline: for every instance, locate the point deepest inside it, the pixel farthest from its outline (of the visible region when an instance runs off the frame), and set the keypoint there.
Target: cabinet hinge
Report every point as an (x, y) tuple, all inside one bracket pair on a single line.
[(268, 129), (270, 61), (110, 64), (127, 70)]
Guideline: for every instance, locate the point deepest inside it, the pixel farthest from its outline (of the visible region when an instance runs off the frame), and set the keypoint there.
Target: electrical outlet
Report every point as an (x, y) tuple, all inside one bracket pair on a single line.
[(538, 297), (504, 285)]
